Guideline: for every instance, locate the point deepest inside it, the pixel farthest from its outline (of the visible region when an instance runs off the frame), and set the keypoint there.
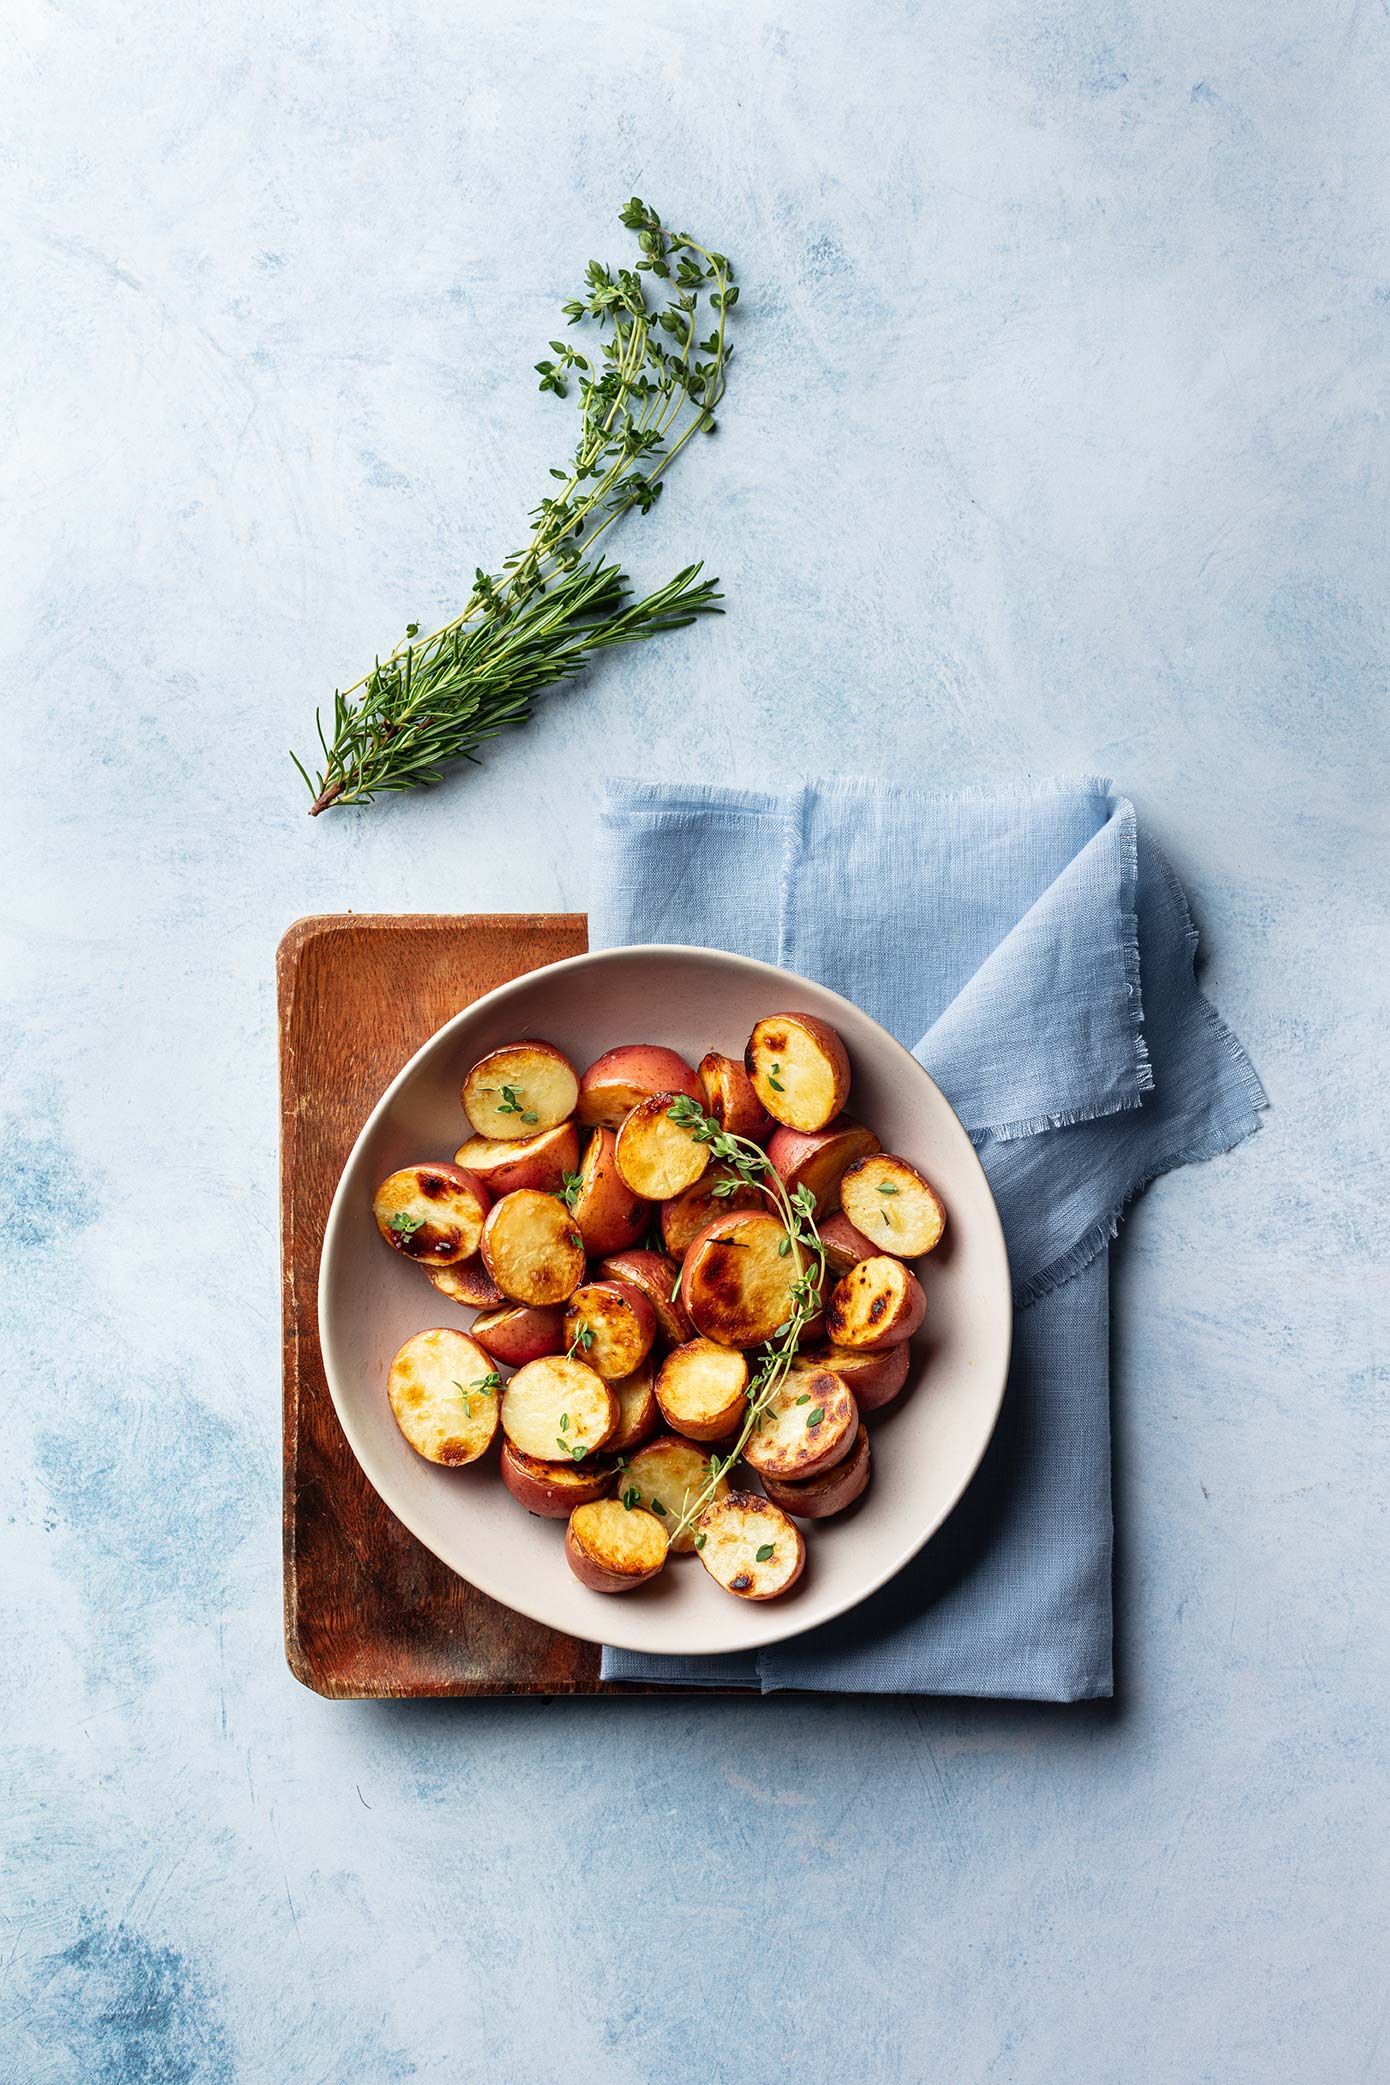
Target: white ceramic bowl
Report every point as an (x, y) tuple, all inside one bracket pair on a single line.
[(925, 1447)]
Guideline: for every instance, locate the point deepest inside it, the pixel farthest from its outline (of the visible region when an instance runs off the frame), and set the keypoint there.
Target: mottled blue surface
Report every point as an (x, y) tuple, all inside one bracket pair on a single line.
[(1055, 444)]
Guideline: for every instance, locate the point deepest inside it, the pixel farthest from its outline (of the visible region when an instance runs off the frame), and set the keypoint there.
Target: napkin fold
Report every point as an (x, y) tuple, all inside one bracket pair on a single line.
[(1034, 949)]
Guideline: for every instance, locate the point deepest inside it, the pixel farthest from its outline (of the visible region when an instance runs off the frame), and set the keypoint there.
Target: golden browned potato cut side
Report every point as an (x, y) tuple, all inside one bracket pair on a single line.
[(523, 1087), (890, 1202), (879, 1303), (702, 1390), (610, 1326), (432, 1212), (505, 1163), (558, 1409), (611, 1547), (737, 1278), (809, 1424), (443, 1391), (532, 1249), (749, 1546), (659, 1158), (667, 1476), (799, 1068)]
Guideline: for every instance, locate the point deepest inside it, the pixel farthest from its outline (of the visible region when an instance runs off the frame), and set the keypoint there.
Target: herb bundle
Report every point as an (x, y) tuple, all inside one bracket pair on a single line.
[(653, 384)]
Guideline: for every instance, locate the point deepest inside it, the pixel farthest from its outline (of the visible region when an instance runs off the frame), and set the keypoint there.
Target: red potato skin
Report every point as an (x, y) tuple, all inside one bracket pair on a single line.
[(607, 1214), (543, 1168), (655, 1276), (685, 1215), (845, 1245), (874, 1378), (553, 1492), (896, 1331), (516, 1333), (831, 1491), (820, 1157), (730, 1099), (620, 1078)]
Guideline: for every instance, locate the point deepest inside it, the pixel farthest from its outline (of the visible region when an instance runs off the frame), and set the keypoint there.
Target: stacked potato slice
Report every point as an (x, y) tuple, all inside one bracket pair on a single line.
[(631, 1286)]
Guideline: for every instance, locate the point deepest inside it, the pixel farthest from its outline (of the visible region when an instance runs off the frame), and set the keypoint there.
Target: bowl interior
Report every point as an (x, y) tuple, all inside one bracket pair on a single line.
[(925, 1447)]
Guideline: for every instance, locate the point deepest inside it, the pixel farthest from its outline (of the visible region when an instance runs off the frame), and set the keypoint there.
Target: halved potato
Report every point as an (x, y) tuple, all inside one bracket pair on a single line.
[(531, 1247), (467, 1282), (890, 1202), (504, 1163), (657, 1157), (667, 1476), (817, 1158), (516, 1333), (799, 1068), (611, 1547), (609, 1215), (433, 1213), (737, 1277), (655, 1276), (875, 1378), (685, 1216), (702, 1388), (558, 1407), (444, 1394), (879, 1303), (749, 1546), (829, 1491), (611, 1326), (615, 1082), (554, 1489), (844, 1245), (639, 1414), (523, 1086), (809, 1424), (730, 1099)]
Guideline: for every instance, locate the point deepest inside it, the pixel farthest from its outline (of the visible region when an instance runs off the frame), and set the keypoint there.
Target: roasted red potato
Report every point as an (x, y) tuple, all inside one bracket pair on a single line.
[(829, 1491), (879, 1303), (736, 1279), (611, 1547), (524, 1086), (702, 1390), (890, 1202), (749, 1546), (809, 1425), (730, 1099), (685, 1216), (844, 1245), (554, 1489), (531, 1247), (444, 1394), (875, 1378), (467, 1282), (615, 1082), (655, 1276), (817, 1158), (515, 1333), (433, 1213), (658, 1158), (558, 1409), (799, 1069), (639, 1414), (668, 1475), (505, 1163), (611, 1326), (609, 1215)]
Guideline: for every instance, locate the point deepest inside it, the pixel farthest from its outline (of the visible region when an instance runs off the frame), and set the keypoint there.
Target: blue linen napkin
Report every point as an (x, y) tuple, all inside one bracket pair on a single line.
[(1034, 948)]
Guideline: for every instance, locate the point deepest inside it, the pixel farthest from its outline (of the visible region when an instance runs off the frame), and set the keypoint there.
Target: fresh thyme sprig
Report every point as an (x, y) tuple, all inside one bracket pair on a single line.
[(749, 1163), (653, 384)]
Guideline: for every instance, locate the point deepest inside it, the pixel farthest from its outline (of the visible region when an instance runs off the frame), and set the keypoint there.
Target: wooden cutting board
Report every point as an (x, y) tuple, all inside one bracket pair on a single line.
[(368, 1610)]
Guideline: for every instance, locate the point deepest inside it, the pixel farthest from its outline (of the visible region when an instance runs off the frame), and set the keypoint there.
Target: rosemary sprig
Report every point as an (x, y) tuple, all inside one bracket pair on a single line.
[(749, 1163), (653, 385)]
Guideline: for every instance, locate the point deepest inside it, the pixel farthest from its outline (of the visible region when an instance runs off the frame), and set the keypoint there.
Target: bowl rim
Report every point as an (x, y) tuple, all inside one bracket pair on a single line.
[(340, 1216)]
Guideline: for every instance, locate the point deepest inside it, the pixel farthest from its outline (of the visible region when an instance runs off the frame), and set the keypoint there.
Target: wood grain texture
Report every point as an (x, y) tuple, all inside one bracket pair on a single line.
[(368, 1610)]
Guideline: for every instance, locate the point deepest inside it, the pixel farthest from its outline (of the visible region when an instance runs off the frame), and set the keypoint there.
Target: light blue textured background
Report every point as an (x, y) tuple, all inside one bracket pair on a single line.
[(1054, 443)]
